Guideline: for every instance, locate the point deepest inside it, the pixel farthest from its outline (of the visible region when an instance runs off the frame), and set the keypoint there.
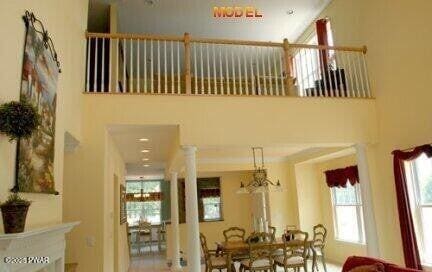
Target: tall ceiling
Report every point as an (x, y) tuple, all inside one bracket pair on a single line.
[(174, 17)]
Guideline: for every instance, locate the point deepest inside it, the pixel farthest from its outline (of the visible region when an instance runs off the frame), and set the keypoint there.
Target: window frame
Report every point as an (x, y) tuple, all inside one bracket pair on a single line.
[(359, 215), (415, 200), (142, 182)]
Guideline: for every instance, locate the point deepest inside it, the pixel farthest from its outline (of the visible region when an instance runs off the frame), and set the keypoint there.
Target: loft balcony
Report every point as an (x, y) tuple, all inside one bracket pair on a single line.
[(185, 65)]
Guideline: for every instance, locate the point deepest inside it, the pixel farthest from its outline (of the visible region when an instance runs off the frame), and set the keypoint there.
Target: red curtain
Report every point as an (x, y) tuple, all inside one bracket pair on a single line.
[(322, 36), (410, 248), (340, 177)]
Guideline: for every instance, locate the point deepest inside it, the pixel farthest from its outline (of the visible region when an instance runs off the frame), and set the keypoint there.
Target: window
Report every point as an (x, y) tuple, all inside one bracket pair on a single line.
[(348, 213), (419, 177), (209, 200), (147, 209)]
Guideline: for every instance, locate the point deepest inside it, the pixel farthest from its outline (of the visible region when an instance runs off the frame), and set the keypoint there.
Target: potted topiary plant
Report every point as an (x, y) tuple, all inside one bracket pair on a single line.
[(14, 213), (17, 120)]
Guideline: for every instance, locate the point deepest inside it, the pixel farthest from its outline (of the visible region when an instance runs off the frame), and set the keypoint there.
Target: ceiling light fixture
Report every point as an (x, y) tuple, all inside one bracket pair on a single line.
[(146, 165), (290, 12), (145, 151), (144, 140), (260, 182), (145, 159)]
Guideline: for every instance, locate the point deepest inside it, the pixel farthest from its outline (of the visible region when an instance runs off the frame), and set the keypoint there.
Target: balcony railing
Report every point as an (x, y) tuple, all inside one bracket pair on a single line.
[(150, 64)]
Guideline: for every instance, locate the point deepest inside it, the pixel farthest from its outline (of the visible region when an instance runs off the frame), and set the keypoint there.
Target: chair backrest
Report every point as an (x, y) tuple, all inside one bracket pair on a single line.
[(204, 247), (234, 234), (297, 246), (272, 231), (261, 248), (144, 226), (319, 236)]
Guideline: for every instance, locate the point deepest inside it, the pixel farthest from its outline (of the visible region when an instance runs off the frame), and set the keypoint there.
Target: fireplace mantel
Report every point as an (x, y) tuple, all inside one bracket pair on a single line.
[(44, 242)]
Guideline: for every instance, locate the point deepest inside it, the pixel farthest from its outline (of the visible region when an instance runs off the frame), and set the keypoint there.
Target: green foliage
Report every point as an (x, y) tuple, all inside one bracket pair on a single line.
[(18, 119), (15, 199)]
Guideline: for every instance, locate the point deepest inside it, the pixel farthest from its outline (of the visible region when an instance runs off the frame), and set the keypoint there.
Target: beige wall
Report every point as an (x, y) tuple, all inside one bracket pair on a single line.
[(236, 210), (66, 22), (400, 74)]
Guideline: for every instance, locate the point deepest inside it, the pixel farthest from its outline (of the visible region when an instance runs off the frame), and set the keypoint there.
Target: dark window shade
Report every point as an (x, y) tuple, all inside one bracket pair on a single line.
[(206, 188)]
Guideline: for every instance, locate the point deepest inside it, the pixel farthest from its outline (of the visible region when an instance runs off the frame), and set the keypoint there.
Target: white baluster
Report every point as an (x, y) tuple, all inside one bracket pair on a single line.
[(323, 74), (151, 68), (202, 69), (239, 72), (178, 69), (331, 91), (336, 89), (124, 66), (279, 52), (366, 73), (117, 82), (158, 68), (227, 72), (233, 72), (109, 65), (263, 70), (303, 72), (88, 64), (103, 66), (311, 78), (318, 73), (339, 66), (355, 75), (214, 71), (145, 66), (350, 75), (208, 70), (276, 73), (172, 67), (253, 91), (345, 65), (221, 71), (95, 66), (195, 68), (243, 50), (165, 69), (270, 77), (258, 70), (131, 74), (360, 74), (138, 87)]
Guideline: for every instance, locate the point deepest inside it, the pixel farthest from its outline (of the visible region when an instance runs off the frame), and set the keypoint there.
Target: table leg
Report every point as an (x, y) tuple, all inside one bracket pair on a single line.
[(229, 262)]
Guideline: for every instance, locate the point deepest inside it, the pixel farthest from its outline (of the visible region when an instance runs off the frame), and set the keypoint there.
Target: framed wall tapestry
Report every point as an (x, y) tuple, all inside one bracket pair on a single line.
[(40, 71), (123, 211)]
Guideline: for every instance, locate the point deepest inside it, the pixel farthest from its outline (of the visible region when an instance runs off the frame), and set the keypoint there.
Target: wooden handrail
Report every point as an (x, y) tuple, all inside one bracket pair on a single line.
[(325, 47), (221, 41)]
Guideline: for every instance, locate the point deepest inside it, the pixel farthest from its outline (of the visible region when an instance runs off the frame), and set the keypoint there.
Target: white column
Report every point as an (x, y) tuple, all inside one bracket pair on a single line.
[(192, 223), (175, 240), (371, 234)]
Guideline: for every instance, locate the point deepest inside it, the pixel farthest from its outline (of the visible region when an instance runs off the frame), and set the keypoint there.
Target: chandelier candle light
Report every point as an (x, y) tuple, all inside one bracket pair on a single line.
[(260, 182)]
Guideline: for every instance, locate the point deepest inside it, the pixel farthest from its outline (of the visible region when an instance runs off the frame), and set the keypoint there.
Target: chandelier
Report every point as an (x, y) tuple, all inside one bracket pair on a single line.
[(260, 182)]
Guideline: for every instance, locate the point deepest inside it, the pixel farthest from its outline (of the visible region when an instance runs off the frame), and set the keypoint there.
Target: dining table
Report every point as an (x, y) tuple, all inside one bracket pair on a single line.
[(238, 247)]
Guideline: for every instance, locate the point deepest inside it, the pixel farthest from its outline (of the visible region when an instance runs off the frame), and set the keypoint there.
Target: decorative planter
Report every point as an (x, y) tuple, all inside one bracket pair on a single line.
[(14, 217)]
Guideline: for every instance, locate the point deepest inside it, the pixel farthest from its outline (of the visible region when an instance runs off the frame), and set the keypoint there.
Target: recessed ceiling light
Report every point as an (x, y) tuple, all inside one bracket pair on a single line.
[(146, 165), (145, 150), (144, 140), (290, 12), (146, 159)]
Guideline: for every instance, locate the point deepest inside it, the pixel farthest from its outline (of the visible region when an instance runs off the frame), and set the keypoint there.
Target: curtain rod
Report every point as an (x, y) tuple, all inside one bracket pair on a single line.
[(411, 148)]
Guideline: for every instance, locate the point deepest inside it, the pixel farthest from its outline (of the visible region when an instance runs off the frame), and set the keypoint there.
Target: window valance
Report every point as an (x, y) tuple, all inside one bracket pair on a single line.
[(144, 197), (341, 176)]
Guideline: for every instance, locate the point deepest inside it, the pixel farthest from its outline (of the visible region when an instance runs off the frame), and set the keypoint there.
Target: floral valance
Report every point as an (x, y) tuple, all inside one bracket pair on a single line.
[(209, 192), (340, 177), (144, 197)]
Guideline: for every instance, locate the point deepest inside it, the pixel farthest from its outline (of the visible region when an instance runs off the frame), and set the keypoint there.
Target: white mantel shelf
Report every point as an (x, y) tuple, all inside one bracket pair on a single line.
[(43, 242)]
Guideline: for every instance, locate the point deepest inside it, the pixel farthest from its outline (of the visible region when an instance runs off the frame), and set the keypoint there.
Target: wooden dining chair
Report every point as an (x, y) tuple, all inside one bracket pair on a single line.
[(212, 258), (161, 231), (144, 235), (234, 234), (319, 242), (260, 253), (294, 252)]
